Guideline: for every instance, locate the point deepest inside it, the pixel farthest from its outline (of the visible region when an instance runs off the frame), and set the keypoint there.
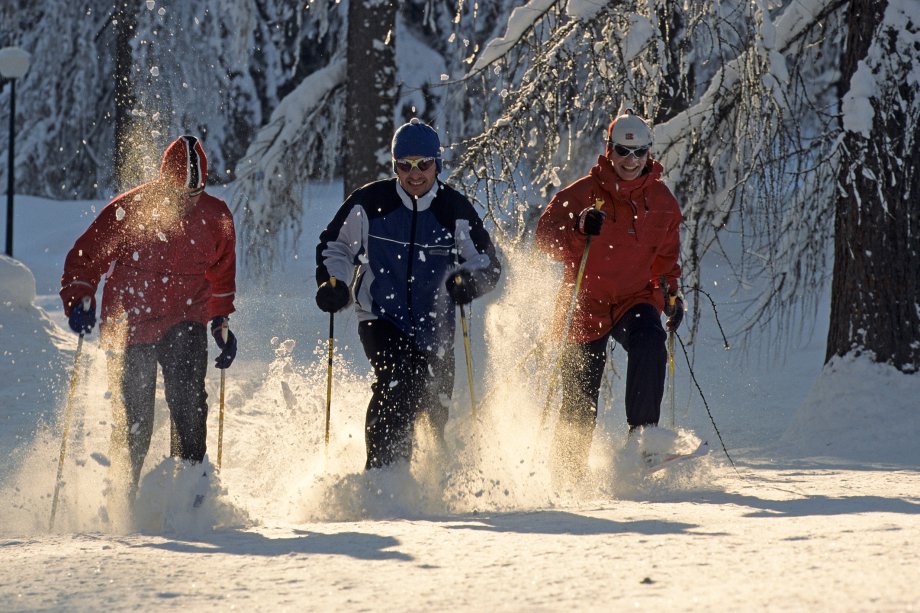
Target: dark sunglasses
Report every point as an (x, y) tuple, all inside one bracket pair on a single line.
[(625, 151), (422, 164)]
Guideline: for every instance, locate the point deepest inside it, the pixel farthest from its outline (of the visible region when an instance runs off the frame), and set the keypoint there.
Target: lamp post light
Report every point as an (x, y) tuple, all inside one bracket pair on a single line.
[(14, 62)]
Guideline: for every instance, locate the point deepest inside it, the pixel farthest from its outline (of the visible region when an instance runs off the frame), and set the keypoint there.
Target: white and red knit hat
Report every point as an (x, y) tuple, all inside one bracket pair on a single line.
[(185, 164)]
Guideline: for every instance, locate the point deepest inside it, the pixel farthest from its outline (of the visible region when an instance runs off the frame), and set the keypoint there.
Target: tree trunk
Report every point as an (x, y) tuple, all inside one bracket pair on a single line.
[(875, 303), (125, 25), (370, 91)]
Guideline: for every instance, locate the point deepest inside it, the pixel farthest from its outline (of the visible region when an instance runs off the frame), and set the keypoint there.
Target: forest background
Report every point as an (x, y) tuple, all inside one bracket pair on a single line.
[(788, 129)]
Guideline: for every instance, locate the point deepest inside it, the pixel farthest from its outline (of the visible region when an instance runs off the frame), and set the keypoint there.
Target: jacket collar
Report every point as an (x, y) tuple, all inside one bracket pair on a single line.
[(423, 201), (611, 182)]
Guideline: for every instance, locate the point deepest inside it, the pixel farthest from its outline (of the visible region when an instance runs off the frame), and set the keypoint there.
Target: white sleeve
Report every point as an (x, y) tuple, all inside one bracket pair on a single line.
[(340, 252)]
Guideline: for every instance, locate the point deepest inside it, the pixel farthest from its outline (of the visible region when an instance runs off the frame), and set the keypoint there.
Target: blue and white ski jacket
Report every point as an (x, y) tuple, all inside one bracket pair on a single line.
[(404, 249)]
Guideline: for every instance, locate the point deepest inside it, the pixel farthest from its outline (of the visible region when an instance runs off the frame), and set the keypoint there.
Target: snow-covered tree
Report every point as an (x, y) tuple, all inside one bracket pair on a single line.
[(301, 140), (65, 130), (210, 68), (124, 23)]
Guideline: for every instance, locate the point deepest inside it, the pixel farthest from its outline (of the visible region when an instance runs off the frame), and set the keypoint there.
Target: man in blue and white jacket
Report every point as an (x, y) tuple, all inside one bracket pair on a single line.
[(419, 248)]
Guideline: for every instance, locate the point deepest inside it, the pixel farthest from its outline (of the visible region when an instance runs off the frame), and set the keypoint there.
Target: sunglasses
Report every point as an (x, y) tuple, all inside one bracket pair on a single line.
[(623, 152), (422, 164)]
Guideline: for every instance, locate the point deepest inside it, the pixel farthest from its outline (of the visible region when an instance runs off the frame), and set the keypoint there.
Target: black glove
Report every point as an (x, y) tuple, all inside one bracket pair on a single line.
[(590, 221), (83, 316), (674, 309), (332, 298), (228, 347), (461, 285)]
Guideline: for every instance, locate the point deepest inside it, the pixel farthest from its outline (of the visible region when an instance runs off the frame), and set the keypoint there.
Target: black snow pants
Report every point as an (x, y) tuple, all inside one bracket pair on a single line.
[(641, 334), (182, 354), (408, 383)]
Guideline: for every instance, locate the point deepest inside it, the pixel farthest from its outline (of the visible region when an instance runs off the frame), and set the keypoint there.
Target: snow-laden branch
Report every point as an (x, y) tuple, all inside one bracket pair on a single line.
[(522, 20), (300, 141), (776, 37)]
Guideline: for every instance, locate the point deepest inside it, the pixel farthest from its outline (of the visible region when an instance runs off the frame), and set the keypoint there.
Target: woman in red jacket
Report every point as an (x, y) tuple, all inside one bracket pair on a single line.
[(631, 221), (167, 252)]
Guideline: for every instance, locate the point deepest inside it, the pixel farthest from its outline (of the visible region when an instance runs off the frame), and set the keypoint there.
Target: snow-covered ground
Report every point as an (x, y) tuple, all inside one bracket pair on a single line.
[(820, 511)]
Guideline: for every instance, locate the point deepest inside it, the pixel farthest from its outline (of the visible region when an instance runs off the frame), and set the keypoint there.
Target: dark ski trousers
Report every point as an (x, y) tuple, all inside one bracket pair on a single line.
[(408, 383), (182, 354), (641, 334)]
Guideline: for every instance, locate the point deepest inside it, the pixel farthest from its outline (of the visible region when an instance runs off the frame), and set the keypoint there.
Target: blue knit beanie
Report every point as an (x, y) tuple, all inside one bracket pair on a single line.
[(416, 138)]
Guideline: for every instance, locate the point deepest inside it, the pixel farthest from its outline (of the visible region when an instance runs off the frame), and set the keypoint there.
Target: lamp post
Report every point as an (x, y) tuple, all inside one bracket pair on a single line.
[(14, 62)]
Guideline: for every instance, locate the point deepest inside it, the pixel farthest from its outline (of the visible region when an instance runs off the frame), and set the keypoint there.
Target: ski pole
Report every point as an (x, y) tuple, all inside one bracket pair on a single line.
[(329, 371), (469, 360), (70, 393), (225, 327), (671, 375), (569, 316), (670, 301)]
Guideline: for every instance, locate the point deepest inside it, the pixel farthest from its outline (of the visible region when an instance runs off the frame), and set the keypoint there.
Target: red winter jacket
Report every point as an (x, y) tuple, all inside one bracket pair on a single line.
[(638, 246), (159, 269)]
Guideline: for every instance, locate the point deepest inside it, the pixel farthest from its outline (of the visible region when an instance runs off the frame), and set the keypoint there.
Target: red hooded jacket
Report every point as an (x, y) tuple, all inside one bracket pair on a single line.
[(161, 268), (637, 249)]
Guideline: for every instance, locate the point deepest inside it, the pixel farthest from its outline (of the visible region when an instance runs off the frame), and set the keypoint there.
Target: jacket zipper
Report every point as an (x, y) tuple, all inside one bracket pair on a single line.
[(409, 281)]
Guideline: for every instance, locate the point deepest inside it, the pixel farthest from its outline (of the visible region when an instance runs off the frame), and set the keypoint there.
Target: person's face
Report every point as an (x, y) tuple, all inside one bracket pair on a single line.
[(185, 201), (628, 162), (176, 204), (416, 174), (190, 200)]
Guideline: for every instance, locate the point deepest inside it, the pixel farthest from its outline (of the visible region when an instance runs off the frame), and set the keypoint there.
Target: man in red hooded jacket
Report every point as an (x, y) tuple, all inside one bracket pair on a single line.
[(630, 275), (166, 250)]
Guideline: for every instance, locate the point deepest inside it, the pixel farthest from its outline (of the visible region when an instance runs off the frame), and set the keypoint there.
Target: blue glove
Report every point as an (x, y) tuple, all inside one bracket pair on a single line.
[(219, 325), (82, 316)]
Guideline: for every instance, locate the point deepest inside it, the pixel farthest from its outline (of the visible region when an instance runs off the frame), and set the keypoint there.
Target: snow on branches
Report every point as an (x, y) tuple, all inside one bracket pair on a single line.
[(287, 152)]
